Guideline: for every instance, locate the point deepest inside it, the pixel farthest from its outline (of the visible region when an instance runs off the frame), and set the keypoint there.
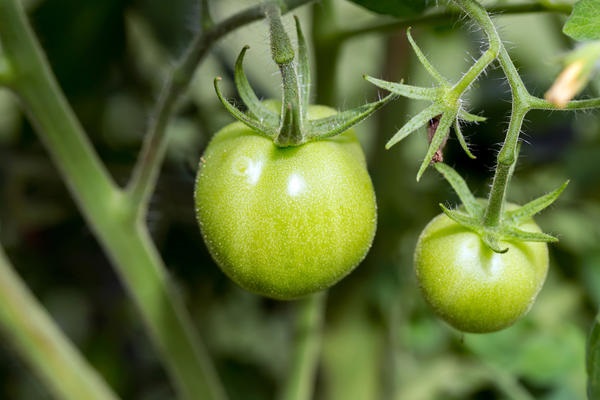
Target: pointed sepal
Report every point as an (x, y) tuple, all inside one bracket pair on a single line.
[(425, 62), (472, 206), (415, 123), (528, 210), (252, 123), (461, 140), (342, 121), (439, 136), (255, 107), (412, 92)]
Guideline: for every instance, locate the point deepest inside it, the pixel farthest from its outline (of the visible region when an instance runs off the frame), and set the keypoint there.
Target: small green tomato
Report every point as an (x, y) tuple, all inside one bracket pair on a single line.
[(285, 222), (470, 286)]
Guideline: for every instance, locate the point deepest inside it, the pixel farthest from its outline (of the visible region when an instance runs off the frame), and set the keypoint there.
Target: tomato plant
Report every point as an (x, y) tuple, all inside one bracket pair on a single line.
[(285, 221), (286, 206), (472, 287)]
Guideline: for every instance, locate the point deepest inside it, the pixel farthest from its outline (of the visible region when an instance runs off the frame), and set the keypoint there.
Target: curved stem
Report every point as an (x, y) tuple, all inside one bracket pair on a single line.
[(307, 345), (147, 168), (42, 344), (109, 213), (478, 13), (437, 17)]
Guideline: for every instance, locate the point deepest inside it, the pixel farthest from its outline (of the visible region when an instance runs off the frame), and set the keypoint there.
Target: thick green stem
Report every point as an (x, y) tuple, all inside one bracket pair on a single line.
[(109, 213), (507, 158), (307, 348), (290, 132), (42, 345)]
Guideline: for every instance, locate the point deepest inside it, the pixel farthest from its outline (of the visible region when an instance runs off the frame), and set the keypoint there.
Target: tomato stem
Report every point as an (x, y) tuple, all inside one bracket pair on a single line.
[(292, 116)]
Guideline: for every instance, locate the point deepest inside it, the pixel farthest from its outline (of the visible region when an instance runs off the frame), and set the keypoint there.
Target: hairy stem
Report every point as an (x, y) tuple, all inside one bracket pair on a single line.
[(41, 343), (436, 17), (307, 345)]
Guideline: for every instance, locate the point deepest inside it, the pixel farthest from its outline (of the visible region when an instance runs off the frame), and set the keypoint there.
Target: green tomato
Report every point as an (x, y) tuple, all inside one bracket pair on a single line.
[(285, 222), (470, 286)]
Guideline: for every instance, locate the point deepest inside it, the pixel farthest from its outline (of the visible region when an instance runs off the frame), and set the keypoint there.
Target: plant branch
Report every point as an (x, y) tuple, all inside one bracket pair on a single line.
[(41, 343), (107, 211), (147, 168), (308, 334), (445, 15)]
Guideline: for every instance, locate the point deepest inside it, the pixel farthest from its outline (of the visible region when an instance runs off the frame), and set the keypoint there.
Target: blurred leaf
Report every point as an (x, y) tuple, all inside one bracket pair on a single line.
[(395, 8), (593, 360), (584, 21)]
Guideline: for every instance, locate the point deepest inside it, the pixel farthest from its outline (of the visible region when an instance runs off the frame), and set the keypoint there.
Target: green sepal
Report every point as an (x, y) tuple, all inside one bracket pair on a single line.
[(438, 138), (467, 116), (461, 140), (255, 107), (412, 92), (303, 69), (535, 206), (425, 62), (338, 123), (514, 233), (291, 127), (508, 229), (466, 220), (491, 240), (252, 123), (415, 123), (472, 206)]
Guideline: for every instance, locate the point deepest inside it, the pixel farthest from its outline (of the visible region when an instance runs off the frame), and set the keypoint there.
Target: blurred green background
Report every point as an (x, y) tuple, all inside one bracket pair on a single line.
[(111, 57)]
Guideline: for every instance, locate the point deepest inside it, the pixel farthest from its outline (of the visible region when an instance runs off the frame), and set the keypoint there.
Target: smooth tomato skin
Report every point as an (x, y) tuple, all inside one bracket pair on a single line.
[(285, 222), (471, 287)]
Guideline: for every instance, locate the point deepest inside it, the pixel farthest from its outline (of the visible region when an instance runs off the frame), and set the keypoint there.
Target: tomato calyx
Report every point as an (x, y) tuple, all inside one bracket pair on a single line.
[(445, 102), (472, 214), (291, 126)]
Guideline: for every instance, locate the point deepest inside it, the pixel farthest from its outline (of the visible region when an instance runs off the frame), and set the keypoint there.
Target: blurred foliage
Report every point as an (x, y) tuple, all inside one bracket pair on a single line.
[(381, 339)]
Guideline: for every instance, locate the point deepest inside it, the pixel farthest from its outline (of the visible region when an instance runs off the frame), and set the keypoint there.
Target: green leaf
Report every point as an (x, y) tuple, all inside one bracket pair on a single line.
[(584, 21), (396, 8)]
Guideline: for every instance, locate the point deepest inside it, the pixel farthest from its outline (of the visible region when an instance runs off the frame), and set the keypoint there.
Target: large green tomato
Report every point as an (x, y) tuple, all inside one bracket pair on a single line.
[(285, 222), (471, 287)]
